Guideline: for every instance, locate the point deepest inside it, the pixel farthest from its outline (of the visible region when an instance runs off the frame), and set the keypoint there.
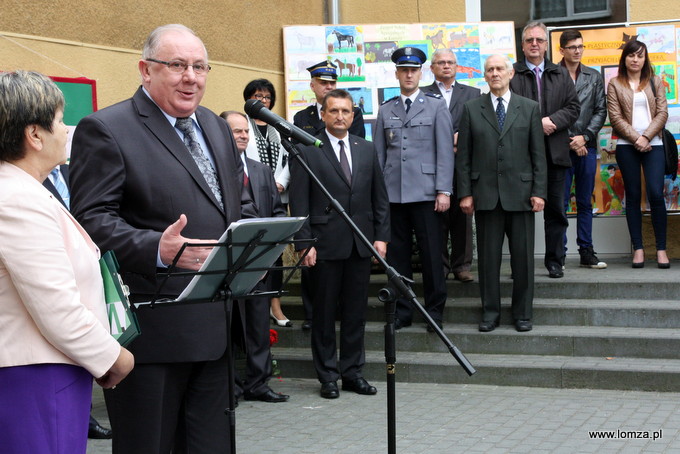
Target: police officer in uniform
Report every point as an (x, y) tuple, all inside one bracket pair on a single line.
[(414, 141), (324, 79)]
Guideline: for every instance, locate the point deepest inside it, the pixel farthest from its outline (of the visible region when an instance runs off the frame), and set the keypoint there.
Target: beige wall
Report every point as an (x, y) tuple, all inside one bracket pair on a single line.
[(645, 10), (103, 40), (401, 11)]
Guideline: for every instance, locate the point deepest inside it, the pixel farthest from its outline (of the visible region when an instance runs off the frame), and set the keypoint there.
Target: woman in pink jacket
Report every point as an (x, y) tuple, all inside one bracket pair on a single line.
[(53, 325)]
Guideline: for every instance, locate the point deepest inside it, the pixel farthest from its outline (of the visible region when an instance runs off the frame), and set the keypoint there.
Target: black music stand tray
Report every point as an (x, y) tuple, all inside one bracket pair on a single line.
[(239, 260)]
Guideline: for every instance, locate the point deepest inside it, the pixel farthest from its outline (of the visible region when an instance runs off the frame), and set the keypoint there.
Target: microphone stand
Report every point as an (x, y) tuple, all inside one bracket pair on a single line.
[(398, 286)]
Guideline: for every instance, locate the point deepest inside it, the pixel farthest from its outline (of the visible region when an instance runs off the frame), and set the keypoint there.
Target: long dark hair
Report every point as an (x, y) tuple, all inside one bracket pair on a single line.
[(647, 72)]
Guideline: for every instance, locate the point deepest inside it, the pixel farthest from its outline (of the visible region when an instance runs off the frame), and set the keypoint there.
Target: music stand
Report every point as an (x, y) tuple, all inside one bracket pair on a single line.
[(239, 260)]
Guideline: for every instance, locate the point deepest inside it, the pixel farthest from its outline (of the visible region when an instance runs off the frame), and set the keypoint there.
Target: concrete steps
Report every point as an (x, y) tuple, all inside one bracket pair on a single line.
[(603, 329)]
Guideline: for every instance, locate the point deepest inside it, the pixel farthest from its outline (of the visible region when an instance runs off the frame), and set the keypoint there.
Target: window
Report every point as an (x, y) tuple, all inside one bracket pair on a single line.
[(563, 10)]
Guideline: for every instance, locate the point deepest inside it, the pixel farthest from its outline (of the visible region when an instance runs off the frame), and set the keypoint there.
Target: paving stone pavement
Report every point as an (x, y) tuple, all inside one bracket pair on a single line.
[(443, 419)]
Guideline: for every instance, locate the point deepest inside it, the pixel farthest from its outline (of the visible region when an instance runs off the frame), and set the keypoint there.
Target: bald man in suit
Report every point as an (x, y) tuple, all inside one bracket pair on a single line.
[(502, 178)]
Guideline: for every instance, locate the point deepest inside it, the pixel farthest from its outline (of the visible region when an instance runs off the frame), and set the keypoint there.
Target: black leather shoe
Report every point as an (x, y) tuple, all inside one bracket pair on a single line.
[(439, 324), (555, 271), (97, 432), (359, 386), (523, 325), (487, 326), (307, 325), (268, 396), (329, 390), (398, 324)]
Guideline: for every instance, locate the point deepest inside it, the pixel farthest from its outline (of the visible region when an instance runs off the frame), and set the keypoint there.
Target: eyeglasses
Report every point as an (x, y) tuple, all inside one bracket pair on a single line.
[(445, 63), (262, 97), (538, 40), (177, 66), (575, 48)]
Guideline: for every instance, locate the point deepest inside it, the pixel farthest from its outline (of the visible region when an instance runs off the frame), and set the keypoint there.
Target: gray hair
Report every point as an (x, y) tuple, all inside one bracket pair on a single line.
[(438, 52), (153, 41), (535, 24), (227, 113), (508, 63), (26, 98)]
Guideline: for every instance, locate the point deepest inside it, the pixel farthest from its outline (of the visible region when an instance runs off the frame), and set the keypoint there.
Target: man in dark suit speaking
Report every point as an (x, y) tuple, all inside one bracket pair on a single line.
[(340, 264), (147, 175), (502, 177)]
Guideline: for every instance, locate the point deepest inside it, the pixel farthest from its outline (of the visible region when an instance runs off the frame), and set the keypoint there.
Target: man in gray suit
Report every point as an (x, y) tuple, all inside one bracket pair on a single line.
[(458, 224), (502, 177), (414, 141)]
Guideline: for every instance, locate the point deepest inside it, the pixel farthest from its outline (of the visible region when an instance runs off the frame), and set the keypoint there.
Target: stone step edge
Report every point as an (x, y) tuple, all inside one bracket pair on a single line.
[(481, 360), (540, 302), (452, 329)]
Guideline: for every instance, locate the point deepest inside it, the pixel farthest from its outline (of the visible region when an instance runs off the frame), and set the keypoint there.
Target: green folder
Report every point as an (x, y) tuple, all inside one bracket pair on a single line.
[(122, 320)]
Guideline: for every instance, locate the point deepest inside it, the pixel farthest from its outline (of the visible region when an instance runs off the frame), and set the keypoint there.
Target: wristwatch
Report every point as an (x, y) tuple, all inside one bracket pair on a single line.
[(447, 194)]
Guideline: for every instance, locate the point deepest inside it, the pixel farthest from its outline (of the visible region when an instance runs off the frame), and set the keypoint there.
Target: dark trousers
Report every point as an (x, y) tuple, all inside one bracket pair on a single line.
[(583, 171), (166, 407), (458, 225), (492, 226), (630, 160), (258, 352), (554, 217), (341, 289), (306, 290), (420, 218)]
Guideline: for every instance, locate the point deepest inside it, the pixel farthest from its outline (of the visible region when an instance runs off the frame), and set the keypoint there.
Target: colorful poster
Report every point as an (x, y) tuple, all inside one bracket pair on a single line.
[(362, 54), (602, 51)]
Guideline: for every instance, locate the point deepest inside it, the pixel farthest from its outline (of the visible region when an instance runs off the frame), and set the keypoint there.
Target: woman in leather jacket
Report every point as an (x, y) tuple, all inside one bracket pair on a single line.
[(638, 114)]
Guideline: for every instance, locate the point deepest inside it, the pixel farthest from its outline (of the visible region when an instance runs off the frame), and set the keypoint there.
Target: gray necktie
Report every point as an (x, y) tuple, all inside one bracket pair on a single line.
[(186, 127), (500, 113), (344, 163)]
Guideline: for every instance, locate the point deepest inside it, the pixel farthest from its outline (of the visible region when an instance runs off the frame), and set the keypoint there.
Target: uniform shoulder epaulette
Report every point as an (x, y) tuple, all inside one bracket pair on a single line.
[(388, 100), (433, 95)]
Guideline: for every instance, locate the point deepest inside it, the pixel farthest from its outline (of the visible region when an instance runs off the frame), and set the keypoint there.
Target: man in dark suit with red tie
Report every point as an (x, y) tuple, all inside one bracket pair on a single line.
[(259, 181), (339, 263), (147, 175), (324, 78)]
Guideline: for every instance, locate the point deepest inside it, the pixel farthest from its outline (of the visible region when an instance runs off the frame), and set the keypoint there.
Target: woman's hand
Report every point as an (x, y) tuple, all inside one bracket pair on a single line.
[(123, 365), (642, 144)]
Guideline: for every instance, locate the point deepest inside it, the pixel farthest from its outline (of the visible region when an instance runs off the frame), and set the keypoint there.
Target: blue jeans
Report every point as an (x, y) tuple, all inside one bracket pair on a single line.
[(652, 162), (583, 168)]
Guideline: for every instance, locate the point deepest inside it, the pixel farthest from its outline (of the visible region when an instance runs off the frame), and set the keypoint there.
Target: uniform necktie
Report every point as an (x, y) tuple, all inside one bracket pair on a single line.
[(408, 104), (537, 71), (344, 163), (500, 113), (61, 188), (186, 127)]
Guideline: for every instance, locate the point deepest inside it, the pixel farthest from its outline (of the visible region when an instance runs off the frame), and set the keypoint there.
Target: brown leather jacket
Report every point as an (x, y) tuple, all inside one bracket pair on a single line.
[(620, 107)]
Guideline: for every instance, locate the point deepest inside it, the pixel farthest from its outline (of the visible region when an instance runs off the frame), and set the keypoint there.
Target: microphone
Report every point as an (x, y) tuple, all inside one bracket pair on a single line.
[(255, 109)]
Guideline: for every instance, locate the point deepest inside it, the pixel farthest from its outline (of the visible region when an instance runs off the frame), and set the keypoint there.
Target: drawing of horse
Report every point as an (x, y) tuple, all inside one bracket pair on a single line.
[(351, 67), (437, 39), (349, 39)]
